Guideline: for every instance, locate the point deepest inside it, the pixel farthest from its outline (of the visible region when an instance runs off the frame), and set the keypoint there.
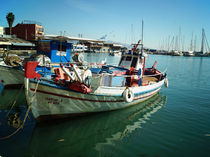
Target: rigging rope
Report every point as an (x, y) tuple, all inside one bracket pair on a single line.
[(17, 96)]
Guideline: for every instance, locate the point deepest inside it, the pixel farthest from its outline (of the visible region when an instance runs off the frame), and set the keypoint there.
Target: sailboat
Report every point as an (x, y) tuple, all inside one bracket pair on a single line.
[(203, 43)]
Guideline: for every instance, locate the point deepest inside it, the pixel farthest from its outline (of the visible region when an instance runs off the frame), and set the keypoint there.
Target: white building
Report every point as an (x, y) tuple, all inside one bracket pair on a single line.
[(1, 30), (79, 48)]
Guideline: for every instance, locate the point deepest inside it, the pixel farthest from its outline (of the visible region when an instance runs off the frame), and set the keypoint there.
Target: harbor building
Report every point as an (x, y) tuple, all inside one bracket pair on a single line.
[(27, 30), (79, 48), (102, 46), (13, 45), (90, 45)]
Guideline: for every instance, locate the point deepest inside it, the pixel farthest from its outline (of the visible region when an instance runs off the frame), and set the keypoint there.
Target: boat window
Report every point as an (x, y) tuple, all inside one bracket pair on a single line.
[(128, 58), (134, 61), (122, 58)]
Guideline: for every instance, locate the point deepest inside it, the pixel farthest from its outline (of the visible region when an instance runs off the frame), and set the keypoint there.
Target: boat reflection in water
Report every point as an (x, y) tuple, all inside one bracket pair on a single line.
[(87, 136)]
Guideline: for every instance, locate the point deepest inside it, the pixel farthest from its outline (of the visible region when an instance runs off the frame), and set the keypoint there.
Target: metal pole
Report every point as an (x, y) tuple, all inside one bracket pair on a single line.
[(142, 29), (202, 42)]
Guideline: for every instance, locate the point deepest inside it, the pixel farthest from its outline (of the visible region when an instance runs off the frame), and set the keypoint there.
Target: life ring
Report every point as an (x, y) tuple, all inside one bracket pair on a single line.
[(128, 95), (166, 82), (87, 77)]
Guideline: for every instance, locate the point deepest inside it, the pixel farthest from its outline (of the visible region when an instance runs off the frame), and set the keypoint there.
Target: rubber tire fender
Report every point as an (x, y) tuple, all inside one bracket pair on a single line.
[(128, 95)]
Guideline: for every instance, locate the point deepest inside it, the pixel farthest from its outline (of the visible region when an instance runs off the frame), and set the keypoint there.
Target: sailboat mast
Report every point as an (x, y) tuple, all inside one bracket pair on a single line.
[(202, 42), (195, 43), (142, 35), (142, 32)]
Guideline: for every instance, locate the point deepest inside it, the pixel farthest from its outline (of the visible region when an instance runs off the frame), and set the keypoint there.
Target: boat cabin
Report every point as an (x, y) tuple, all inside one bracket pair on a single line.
[(57, 51), (128, 60)]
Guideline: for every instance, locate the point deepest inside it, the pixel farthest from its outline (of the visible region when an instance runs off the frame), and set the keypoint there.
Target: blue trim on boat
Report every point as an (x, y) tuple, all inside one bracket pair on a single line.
[(134, 93), (147, 91)]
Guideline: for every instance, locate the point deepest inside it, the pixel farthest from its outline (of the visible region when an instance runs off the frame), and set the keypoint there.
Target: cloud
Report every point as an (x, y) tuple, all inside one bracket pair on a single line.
[(82, 5)]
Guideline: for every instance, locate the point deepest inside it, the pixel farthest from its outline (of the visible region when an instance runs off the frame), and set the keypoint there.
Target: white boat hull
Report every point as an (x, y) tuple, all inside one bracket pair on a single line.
[(52, 101), (10, 76)]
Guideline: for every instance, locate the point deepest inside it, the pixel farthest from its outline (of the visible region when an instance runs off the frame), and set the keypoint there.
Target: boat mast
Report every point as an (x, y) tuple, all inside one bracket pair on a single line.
[(191, 43), (195, 43), (60, 45), (202, 42), (142, 30)]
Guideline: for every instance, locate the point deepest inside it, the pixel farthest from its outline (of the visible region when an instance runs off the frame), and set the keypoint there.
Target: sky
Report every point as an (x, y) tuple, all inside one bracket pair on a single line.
[(166, 22)]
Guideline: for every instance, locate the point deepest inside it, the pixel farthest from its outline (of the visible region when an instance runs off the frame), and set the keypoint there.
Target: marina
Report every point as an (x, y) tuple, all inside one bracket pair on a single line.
[(172, 123), (104, 79)]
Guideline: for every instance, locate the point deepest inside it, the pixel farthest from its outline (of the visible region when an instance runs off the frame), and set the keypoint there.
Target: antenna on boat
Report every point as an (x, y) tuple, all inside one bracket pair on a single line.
[(60, 46)]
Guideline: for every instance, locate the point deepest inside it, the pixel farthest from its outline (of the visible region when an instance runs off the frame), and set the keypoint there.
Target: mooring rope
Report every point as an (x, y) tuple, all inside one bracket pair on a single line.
[(17, 96), (26, 115)]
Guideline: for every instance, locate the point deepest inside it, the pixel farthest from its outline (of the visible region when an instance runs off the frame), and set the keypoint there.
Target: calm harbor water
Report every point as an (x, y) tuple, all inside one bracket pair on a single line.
[(175, 122)]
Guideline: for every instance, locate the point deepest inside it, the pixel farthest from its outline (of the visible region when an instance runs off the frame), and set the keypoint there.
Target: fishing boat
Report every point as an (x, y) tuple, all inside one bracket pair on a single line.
[(10, 71), (11, 76), (77, 88), (48, 52)]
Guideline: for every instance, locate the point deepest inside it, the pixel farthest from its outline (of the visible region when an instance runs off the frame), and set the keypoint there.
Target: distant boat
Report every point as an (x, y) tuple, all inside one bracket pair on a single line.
[(177, 53), (204, 44), (189, 53), (115, 53), (79, 89)]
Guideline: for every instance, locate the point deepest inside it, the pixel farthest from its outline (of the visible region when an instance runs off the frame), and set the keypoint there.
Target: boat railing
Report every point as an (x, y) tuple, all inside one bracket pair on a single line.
[(108, 79), (136, 76), (116, 80), (78, 64)]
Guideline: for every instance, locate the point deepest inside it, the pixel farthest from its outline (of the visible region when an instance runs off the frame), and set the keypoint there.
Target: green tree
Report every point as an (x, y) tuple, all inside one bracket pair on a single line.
[(10, 19)]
